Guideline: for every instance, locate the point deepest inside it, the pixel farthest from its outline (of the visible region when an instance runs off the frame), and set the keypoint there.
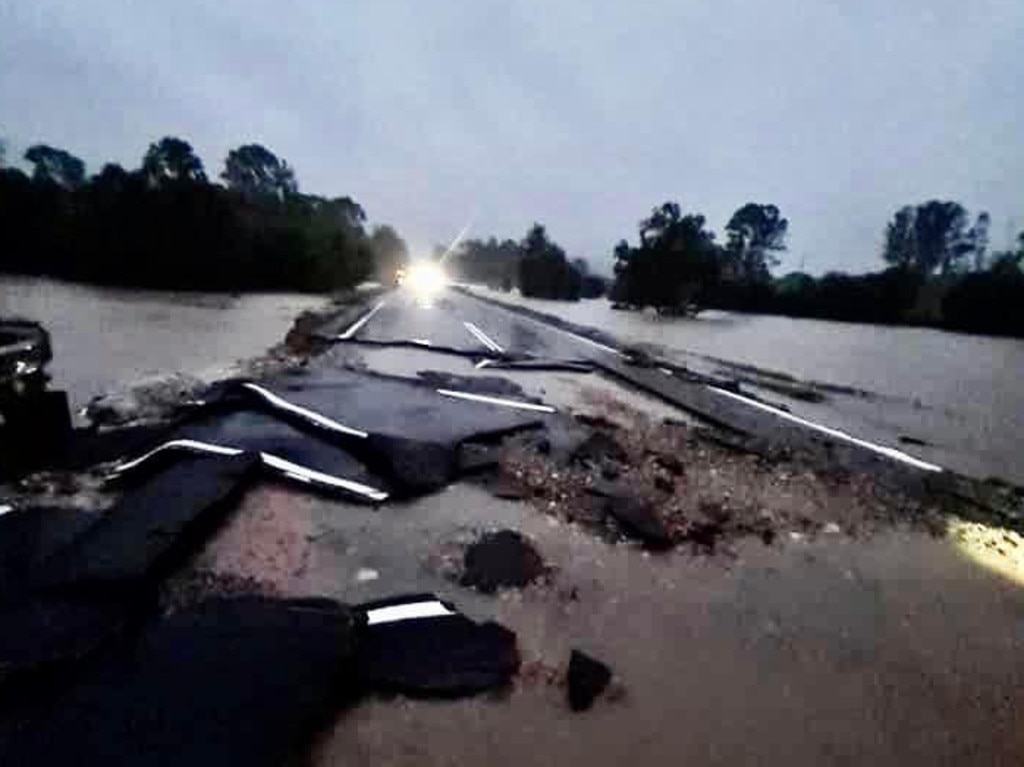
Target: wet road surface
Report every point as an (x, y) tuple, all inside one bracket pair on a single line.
[(455, 321)]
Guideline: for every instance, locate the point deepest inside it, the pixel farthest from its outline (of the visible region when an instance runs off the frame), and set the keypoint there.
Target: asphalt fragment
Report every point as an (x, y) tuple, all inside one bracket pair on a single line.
[(586, 679)]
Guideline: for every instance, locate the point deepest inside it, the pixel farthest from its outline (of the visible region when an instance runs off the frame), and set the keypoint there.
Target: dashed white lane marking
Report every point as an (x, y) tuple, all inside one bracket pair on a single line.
[(889, 452), (309, 415), (422, 341), (496, 401), (483, 338), (286, 467), (354, 327), (311, 476), (577, 336), (394, 613), (483, 364)]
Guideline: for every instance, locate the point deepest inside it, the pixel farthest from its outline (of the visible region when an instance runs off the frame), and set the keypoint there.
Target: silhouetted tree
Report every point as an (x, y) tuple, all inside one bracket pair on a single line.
[(255, 171), (978, 237), (172, 160), (544, 271), (55, 166), (389, 251), (931, 237), (676, 263), (755, 233), (491, 262), (165, 225)]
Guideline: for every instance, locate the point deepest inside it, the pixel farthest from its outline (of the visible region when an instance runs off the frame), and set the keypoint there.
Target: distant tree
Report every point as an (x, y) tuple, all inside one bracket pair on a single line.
[(676, 263), (3, 152), (389, 251), (591, 285), (932, 237), (55, 166), (755, 233), (255, 171), (544, 271), (900, 242), (978, 237), (491, 262), (172, 160)]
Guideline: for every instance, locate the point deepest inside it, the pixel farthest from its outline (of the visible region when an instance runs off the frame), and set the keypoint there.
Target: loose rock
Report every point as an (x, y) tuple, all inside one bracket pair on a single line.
[(586, 679), (638, 519)]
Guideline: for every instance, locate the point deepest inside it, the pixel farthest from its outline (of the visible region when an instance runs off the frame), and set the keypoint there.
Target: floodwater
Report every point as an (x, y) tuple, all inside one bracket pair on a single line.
[(962, 395), (105, 338)]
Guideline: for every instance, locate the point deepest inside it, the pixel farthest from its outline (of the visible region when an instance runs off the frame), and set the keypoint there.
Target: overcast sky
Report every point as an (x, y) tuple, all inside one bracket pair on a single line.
[(577, 113)]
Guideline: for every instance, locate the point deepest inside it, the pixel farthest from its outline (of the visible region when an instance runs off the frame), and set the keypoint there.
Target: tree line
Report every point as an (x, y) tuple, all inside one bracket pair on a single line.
[(938, 270), (537, 265), (166, 224)]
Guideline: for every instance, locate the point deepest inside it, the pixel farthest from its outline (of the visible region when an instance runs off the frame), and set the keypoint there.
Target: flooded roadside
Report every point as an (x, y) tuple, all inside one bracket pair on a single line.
[(106, 338), (951, 398)]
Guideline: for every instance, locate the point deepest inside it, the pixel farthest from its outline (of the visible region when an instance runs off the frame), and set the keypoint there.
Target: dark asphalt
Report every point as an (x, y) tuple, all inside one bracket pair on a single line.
[(450, 319), (454, 320)]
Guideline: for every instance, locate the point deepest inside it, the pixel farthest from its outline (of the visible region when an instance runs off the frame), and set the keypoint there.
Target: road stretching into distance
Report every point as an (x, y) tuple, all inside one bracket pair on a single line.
[(452, 320)]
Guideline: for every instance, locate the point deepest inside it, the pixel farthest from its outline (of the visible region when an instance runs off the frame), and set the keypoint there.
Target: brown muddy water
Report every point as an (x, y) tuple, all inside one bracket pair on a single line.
[(961, 395), (105, 338)]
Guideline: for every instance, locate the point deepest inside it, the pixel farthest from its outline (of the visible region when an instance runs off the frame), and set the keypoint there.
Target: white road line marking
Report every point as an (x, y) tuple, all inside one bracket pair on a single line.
[(191, 445), (889, 452), (666, 371), (483, 364), (422, 341), (310, 415), (496, 401), (394, 613), (354, 327), (548, 325), (6, 509), (286, 467), (476, 335), (483, 338), (295, 471)]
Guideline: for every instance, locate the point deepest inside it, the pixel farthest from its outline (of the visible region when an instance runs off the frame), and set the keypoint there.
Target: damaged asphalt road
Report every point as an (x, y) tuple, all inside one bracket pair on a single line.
[(493, 515)]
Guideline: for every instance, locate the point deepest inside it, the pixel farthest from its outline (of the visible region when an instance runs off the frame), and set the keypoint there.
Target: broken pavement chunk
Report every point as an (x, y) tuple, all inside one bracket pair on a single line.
[(501, 559), (236, 681), (419, 645), (153, 521), (28, 536), (586, 679), (41, 632)]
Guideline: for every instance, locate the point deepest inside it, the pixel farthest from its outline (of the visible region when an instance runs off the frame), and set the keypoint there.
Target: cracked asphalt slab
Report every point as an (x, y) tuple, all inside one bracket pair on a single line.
[(838, 641)]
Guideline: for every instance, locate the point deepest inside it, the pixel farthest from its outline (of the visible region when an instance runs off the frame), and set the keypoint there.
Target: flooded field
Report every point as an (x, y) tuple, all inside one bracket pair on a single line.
[(104, 338)]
